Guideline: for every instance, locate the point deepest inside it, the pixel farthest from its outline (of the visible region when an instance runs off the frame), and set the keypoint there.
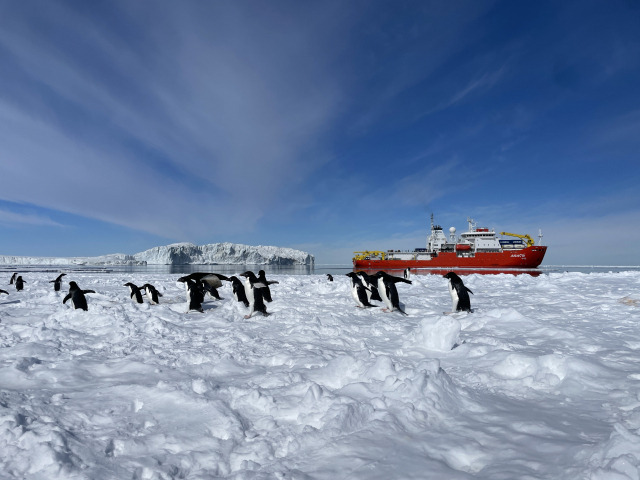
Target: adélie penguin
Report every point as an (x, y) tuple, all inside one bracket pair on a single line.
[(152, 293), (195, 295), (359, 291), (253, 289), (13, 278), (19, 283), (266, 292), (77, 296), (459, 293), (329, 277), (210, 281), (389, 292), (134, 292), (371, 284), (57, 282), (238, 291)]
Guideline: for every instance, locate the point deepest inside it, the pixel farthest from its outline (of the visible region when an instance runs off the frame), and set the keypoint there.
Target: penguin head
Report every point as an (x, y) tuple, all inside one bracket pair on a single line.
[(250, 275), (452, 276)]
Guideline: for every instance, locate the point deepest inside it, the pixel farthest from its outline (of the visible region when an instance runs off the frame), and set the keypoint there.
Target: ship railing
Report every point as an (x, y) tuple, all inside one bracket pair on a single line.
[(369, 254)]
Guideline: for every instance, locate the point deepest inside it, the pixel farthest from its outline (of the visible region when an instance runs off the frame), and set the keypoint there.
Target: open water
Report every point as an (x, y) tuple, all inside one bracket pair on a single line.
[(295, 269)]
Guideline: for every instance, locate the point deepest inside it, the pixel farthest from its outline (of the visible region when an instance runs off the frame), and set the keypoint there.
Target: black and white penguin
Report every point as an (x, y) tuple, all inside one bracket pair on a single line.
[(134, 292), (13, 278), (407, 273), (207, 288), (253, 289), (329, 277), (371, 284), (19, 283), (57, 282), (459, 293), (266, 292), (195, 295), (358, 291), (238, 291), (211, 282), (152, 293), (389, 292), (77, 296)]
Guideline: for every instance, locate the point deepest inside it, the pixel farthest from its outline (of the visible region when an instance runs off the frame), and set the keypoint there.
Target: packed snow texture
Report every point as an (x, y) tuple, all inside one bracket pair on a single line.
[(541, 381), (182, 254)]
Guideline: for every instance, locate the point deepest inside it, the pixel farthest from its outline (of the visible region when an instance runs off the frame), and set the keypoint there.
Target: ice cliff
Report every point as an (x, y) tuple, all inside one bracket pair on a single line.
[(181, 254)]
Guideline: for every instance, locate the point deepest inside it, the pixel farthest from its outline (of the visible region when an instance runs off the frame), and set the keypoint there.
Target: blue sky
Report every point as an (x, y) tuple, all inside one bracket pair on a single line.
[(327, 126)]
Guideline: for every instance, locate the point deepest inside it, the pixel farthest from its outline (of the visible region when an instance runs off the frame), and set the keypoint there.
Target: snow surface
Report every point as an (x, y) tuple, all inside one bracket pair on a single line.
[(182, 254), (542, 381)]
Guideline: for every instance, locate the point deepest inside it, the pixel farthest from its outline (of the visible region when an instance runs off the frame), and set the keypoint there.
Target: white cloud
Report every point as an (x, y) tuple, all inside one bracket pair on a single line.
[(202, 124), (13, 218)]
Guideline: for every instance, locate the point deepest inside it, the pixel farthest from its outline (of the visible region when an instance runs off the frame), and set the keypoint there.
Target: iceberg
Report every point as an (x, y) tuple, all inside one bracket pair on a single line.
[(182, 254)]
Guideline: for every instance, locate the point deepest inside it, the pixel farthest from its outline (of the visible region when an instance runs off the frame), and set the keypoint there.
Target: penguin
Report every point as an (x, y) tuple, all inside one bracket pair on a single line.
[(134, 291), (359, 291), (207, 288), (459, 293), (19, 283), (329, 277), (77, 296), (13, 278), (266, 292), (389, 292), (57, 282), (195, 295), (152, 294), (371, 284), (238, 291), (253, 289), (407, 273), (4, 291), (212, 281)]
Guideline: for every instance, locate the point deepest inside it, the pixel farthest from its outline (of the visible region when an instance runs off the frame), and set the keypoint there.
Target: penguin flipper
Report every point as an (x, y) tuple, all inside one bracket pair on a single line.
[(91, 291), (66, 298)]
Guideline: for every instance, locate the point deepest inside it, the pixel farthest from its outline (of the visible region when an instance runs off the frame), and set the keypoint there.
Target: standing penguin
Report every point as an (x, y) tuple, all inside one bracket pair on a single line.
[(57, 282), (195, 295), (238, 291), (210, 281), (329, 277), (407, 273), (19, 283), (253, 289), (266, 292), (459, 293), (152, 294), (77, 296), (359, 291), (371, 284), (389, 292), (134, 291), (13, 278)]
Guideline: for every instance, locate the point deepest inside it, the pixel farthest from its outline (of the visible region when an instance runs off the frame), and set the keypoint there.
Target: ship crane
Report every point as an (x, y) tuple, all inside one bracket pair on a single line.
[(530, 242)]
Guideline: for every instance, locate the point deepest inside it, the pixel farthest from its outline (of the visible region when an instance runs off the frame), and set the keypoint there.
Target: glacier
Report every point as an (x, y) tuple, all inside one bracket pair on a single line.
[(182, 254)]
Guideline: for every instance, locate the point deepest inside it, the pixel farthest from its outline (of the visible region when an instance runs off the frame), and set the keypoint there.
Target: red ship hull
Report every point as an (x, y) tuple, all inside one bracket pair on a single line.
[(529, 257)]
